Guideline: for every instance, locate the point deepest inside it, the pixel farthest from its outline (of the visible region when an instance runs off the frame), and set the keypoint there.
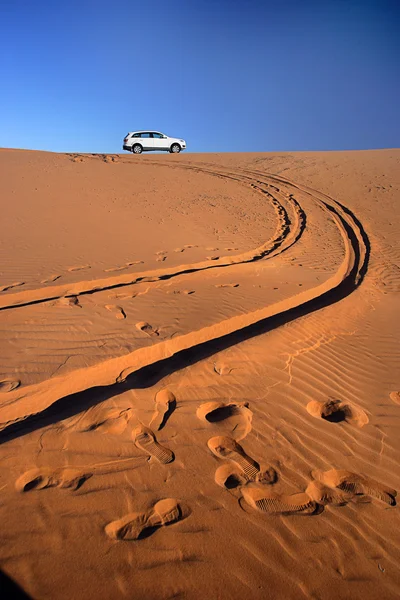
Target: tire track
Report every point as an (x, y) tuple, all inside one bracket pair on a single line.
[(186, 349), (288, 229)]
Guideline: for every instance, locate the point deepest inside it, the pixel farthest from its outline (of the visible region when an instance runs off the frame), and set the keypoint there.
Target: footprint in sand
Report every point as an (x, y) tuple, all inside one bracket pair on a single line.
[(231, 476), (123, 267), (126, 296), (235, 416), (146, 328), (227, 285), (65, 302), (395, 397), (78, 268), (134, 262), (165, 405), (8, 385), (213, 257), (322, 494), (4, 288), (336, 411), (269, 502), (51, 279), (146, 441), (105, 420), (227, 448), (113, 269), (39, 479), (161, 255), (186, 247), (356, 485), (186, 292), (222, 369), (118, 311), (134, 525)]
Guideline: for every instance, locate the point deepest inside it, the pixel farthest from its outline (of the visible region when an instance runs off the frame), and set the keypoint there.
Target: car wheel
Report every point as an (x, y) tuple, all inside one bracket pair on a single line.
[(175, 148), (137, 149)]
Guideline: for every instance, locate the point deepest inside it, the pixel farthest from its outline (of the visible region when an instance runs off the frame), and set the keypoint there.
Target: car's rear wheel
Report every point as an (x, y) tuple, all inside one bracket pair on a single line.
[(175, 148), (137, 149)]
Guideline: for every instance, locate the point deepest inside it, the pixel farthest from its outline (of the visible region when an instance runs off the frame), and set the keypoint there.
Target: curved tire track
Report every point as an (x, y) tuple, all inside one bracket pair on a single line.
[(188, 348), (288, 229)]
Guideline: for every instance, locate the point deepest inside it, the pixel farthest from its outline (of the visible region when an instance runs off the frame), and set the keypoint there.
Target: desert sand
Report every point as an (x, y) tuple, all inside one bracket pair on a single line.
[(199, 375)]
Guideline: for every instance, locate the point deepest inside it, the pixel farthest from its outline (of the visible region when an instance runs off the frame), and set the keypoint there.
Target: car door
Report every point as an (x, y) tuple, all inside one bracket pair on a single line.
[(160, 143), (147, 140)]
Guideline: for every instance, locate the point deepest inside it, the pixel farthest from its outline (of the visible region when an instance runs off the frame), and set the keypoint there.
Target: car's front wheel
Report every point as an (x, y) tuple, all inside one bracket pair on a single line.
[(175, 148), (137, 149)]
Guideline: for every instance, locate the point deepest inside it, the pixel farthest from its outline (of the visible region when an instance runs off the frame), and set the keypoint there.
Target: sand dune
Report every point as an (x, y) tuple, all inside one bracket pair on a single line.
[(200, 375)]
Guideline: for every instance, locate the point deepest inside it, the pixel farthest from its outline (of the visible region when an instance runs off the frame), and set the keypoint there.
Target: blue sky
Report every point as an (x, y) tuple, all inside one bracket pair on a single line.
[(227, 75)]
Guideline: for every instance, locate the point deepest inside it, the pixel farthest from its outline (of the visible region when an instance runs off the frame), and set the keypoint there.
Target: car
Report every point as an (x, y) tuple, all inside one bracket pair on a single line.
[(147, 141)]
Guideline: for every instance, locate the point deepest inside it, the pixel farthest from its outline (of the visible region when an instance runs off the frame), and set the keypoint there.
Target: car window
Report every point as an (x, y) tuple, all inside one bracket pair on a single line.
[(158, 136), (136, 135), (145, 135)]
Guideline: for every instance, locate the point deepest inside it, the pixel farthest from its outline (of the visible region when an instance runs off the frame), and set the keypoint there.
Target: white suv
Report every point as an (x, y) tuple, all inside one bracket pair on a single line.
[(139, 141)]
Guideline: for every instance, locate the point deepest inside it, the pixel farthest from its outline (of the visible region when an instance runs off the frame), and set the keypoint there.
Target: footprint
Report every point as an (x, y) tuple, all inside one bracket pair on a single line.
[(323, 494), (51, 279), (146, 328), (213, 257), (165, 405), (186, 292), (125, 295), (105, 420), (117, 310), (11, 285), (134, 262), (236, 415), (267, 501), (211, 249), (112, 269), (222, 369), (145, 440), (231, 476), (133, 525), (228, 448), (65, 301), (8, 385), (179, 250), (78, 268), (39, 479), (395, 396), (336, 411), (161, 255), (227, 285), (356, 485)]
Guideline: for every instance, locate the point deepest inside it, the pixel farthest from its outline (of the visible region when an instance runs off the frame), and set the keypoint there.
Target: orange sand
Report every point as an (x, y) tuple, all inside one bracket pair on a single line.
[(199, 384)]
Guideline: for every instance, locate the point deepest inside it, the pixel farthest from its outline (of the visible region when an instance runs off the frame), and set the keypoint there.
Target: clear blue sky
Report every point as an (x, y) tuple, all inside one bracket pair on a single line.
[(227, 75)]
